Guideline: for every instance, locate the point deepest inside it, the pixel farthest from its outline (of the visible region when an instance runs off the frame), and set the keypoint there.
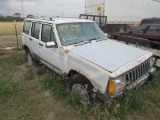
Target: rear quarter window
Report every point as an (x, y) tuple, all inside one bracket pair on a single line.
[(154, 30), (26, 27)]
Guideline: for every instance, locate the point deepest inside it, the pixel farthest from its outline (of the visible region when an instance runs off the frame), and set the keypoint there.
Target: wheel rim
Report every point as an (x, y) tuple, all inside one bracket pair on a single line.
[(29, 58), (81, 91)]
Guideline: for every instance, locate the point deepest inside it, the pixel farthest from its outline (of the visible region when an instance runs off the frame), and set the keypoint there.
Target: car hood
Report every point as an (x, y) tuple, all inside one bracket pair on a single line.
[(108, 54)]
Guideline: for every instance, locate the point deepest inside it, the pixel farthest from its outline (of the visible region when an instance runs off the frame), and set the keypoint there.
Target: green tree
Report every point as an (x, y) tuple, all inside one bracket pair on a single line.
[(16, 15), (30, 16)]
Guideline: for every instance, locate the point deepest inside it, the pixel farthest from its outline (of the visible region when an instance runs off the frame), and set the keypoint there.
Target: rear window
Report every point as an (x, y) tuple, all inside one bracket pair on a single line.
[(26, 27), (35, 30), (154, 30)]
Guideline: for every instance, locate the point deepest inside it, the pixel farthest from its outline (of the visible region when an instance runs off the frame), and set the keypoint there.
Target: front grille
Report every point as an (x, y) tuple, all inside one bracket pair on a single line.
[(138, 72)]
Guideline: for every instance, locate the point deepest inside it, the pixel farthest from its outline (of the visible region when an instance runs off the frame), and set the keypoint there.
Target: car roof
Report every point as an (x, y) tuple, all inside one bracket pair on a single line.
[(150, 25), (155, 18), (58, 20)]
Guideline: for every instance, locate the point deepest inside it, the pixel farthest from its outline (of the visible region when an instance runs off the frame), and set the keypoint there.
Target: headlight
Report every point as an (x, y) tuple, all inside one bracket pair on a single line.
[(120, 83), (152, 61)]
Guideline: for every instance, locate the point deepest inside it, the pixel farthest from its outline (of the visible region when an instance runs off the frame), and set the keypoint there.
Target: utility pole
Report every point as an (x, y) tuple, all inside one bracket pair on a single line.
[(22, 8), (85, 8), (62, 14), (15, 24), (104, 3)]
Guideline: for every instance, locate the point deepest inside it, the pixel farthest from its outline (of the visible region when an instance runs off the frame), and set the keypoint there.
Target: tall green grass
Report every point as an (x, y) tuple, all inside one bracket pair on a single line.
[(7, 88), (140, 99)]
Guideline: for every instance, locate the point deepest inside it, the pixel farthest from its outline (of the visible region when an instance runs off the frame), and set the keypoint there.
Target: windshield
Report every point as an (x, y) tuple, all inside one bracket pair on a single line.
[(73, 33)]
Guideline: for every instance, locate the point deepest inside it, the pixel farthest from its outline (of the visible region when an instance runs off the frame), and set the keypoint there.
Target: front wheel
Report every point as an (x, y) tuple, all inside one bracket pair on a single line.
[(78, 83)]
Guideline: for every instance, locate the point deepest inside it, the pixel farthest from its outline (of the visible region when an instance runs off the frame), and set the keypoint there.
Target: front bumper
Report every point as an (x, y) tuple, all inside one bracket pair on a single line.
[(106, 97)]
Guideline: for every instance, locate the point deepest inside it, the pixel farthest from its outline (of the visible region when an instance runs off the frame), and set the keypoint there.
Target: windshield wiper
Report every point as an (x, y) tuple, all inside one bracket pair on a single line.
[(82, 42), (94, 39)]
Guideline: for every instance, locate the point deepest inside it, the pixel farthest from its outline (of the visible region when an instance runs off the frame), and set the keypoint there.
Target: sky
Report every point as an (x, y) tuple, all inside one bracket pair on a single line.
[(48, 8)]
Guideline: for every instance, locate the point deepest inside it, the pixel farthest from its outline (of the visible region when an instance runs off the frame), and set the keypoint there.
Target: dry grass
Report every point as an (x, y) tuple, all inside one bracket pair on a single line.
[(8, 28), (9, 41), (28, 92), (24, 99)]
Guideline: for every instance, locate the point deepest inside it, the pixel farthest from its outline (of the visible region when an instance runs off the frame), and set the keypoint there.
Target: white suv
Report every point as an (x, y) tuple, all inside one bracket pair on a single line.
[(79, 51)]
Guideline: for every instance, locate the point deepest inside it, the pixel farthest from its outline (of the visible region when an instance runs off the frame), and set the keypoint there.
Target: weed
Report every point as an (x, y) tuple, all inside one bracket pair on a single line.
[(1, 53), (144, 100), (29, 75), (19, 59), (56, 84), (7, 88), (16, 58), (41, 70), (61, 92), (118, 109)]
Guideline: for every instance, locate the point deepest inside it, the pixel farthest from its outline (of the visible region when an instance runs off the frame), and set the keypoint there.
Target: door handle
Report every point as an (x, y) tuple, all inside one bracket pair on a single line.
[(30, 39), (40, 44)]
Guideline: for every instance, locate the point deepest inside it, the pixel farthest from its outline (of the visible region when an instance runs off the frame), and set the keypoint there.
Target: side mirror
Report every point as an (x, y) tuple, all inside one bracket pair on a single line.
[(106, 34), (130, 32), (50, 44)]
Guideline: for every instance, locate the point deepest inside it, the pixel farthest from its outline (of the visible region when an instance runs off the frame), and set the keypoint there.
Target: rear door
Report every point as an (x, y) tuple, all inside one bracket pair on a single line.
[(153, 33), (34, 39), (139, 31)]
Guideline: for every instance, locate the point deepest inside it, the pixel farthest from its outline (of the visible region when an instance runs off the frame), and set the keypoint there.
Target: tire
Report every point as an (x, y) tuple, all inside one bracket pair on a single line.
[(84, 88), (113, 37), (29, 57), (153, 45)]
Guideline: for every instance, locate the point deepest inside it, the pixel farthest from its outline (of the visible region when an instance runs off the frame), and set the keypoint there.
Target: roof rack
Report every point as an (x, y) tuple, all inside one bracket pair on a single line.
[(41, 18), (46, 18)]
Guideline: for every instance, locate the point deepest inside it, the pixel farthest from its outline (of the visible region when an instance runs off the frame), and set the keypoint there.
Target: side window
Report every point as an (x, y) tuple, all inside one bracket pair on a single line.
[(154, 30), (35, 30), (26, 27), (47, 33), (139, 30)]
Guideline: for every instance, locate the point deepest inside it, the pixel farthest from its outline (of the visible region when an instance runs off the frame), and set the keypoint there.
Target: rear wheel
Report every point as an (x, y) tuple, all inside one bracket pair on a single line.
[(29, 57), (78, 83), (153, 45)]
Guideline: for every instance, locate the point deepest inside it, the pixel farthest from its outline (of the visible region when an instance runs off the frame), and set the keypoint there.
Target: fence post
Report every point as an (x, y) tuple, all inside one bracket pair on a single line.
[(15, 24)]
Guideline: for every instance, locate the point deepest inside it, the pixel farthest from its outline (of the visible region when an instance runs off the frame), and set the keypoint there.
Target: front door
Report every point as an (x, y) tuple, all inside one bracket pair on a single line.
[(50, 56), (139, 31)]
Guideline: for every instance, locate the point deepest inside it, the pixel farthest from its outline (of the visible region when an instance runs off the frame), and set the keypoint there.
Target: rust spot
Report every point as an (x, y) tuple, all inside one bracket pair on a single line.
[(64, 50), (94, 95), (86, 86), (83, 74)]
